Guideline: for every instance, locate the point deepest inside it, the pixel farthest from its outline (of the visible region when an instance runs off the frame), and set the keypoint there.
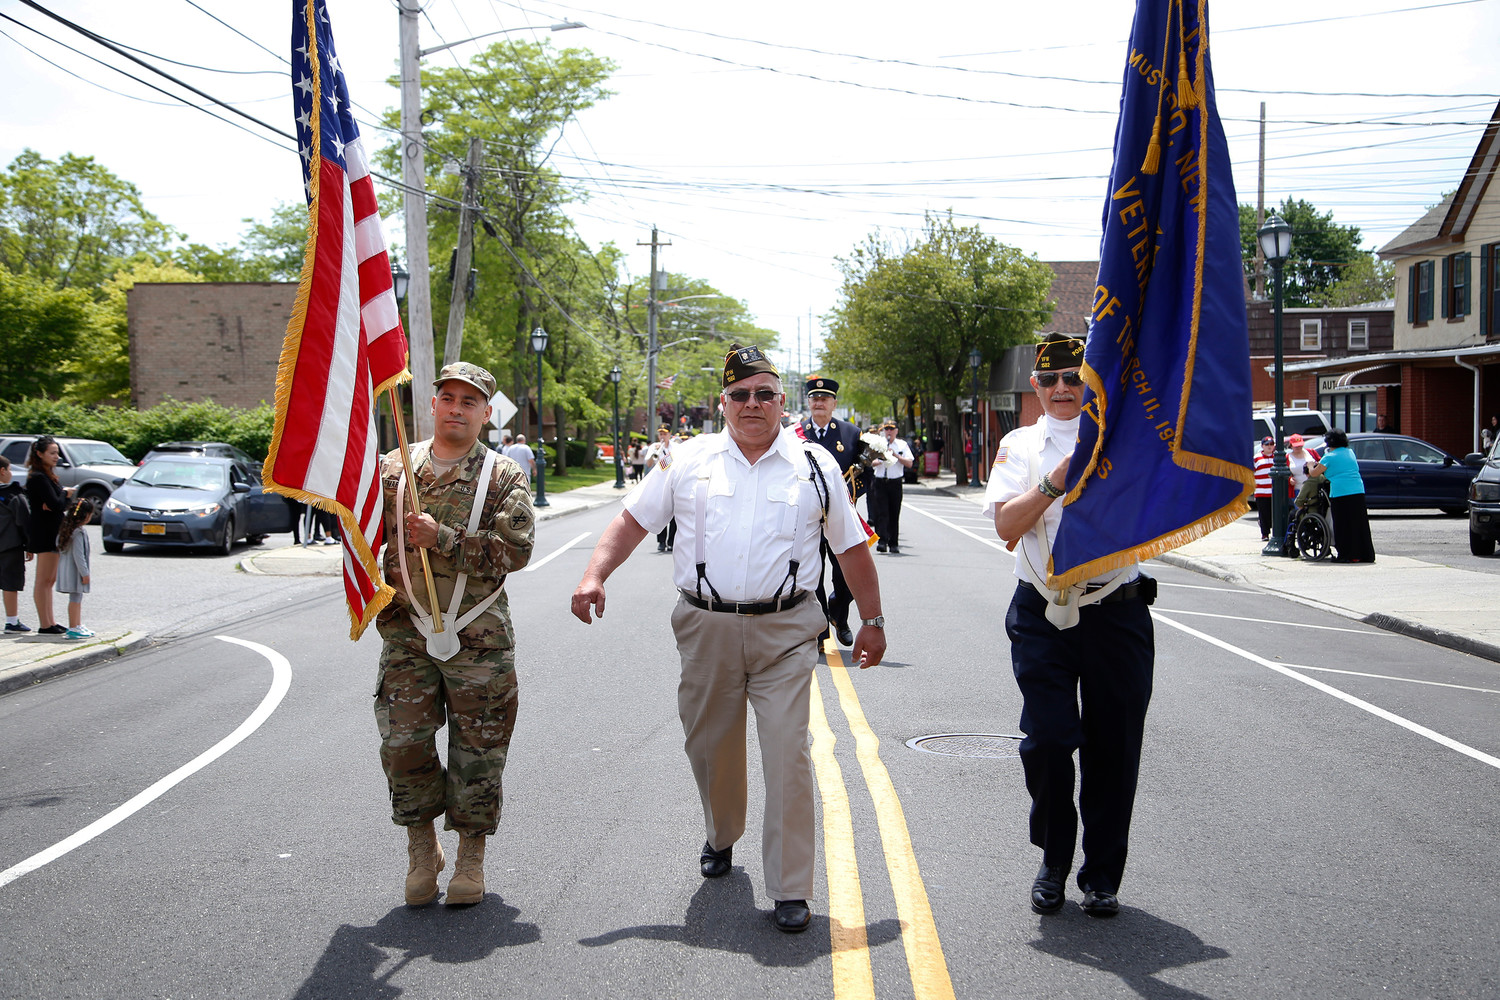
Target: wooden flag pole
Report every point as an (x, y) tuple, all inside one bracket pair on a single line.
[(416, 506)]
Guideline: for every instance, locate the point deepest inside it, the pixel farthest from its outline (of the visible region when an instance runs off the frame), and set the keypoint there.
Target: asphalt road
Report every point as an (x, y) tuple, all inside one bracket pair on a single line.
[(1316, 813)]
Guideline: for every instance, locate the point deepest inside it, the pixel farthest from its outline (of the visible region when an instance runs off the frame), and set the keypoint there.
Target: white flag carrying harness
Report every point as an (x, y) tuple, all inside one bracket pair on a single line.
[(1062, 605), (444, 645)]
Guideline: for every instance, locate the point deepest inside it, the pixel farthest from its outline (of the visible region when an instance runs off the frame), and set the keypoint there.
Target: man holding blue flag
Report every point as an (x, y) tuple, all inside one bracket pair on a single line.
[(1058, 654)]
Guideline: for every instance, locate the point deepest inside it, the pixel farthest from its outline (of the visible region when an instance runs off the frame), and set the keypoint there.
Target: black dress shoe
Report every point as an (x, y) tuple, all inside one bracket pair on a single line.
[(846, 637), (1098, 903), (880, 546), (715, 863), (895, 549), (792, 916), (1048, 891)]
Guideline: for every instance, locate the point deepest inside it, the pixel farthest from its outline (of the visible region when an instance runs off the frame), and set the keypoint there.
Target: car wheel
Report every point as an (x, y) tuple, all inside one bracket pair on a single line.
[(226, 538), (114, 546), (1481, 545), (95, 494)]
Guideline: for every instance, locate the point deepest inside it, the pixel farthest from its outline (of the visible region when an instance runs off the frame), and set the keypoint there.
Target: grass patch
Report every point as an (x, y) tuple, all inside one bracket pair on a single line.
[(603, 472)]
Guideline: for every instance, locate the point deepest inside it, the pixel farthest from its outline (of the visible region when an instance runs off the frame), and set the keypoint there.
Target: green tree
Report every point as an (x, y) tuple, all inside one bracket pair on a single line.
[(1321, 249), (268, 250), (71, 223), (907, 319), (1366, 279), (40, 329)]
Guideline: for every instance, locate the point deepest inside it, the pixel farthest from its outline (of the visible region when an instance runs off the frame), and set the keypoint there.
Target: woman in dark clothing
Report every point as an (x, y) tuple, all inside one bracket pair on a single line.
[(1346, 500), (48, 500)]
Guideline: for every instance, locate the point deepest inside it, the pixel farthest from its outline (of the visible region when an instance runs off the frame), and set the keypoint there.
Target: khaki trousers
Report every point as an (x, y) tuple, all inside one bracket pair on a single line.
[(769, 660)]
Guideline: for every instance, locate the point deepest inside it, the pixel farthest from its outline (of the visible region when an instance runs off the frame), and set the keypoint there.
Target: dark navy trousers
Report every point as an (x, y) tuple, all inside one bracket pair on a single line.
[(1084, 690)]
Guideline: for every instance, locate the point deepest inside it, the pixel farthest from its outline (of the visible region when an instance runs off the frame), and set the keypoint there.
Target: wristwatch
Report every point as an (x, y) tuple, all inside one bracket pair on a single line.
[(877, 622)]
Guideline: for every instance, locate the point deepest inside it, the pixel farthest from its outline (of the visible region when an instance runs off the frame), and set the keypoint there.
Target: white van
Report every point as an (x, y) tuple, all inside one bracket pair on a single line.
[(1311, 424)]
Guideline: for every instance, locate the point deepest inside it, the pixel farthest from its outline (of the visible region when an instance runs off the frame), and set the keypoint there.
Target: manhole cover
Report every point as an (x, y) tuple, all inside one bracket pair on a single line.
[(992, 745)]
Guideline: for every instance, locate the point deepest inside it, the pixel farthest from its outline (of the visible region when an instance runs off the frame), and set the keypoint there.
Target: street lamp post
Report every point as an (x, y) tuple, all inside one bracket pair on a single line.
[(1275, 238), (614, 378), (974, 361), (538, 345)]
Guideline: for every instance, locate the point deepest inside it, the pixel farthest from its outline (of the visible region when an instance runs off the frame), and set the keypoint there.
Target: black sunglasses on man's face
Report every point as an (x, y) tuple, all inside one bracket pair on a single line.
[(1048, 379), (761, 395)]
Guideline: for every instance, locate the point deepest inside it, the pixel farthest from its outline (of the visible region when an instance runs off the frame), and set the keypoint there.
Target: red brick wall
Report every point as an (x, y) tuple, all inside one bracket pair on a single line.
[(217, 341), (1438, 406)]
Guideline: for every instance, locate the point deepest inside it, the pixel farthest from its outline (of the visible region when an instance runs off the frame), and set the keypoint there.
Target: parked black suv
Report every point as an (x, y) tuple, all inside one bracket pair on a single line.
[(1484, 505)]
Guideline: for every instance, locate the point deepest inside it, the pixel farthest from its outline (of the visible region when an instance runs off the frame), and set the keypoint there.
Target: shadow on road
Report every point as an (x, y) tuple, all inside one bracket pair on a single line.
[(722, 915), (358, 960), (1135, 946)]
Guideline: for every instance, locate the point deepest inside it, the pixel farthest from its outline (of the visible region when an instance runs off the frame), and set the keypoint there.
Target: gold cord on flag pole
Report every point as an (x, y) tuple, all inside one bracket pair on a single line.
[(416, 505)]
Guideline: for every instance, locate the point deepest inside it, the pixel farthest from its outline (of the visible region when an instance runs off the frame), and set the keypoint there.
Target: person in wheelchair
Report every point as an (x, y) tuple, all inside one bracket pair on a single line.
[(1308, 531)]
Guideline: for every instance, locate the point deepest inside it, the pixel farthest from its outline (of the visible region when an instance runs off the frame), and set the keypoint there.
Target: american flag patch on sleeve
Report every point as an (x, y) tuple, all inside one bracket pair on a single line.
[(1001, 454)]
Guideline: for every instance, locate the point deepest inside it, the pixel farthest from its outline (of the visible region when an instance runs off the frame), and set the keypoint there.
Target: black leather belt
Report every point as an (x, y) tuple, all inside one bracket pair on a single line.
[(743, 608), (1125, 592)]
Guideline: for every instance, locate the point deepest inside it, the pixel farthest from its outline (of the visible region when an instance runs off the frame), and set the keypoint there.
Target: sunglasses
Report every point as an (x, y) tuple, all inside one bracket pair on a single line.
[(761, 395), (1048, 379)]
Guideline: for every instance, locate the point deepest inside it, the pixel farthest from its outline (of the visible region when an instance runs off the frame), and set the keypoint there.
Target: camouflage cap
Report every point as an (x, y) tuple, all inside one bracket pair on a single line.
[(465, 372)]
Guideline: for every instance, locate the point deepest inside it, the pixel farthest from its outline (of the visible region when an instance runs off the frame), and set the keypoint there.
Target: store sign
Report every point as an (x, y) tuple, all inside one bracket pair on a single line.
[(1327, 384)]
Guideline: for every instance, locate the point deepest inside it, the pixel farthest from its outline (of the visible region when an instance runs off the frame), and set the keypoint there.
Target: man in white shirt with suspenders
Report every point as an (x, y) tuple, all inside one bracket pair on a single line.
[(753, 504)]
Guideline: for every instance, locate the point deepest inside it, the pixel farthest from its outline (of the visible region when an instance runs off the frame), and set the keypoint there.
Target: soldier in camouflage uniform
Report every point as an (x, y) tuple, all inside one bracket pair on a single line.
[(476, 687)]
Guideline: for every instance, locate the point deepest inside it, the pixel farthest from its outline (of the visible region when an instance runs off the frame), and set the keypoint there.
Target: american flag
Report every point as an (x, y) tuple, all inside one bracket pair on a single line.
[(666, 383), (344, 343)]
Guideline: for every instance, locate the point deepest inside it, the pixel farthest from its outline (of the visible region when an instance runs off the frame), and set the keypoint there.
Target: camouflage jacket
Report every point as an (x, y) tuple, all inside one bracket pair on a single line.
[(501, 545)]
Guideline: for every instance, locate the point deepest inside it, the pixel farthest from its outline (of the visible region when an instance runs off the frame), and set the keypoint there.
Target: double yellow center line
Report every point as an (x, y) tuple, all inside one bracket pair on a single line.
[(853, 978)]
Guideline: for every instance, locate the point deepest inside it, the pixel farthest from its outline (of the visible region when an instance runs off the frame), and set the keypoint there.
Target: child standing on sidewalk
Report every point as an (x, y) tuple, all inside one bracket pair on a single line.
[(73, 563)]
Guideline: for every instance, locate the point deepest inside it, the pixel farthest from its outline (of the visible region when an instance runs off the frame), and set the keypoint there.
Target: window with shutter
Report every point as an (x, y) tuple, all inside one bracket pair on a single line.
[(1359, 335)]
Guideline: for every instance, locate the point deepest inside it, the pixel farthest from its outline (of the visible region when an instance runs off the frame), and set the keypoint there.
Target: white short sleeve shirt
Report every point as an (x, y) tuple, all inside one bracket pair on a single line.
[(755, 519), (1050, 441)]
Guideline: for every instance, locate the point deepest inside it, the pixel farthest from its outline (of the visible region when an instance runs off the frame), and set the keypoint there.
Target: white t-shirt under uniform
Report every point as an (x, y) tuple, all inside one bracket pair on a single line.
[(756, 516), (1051, 440)]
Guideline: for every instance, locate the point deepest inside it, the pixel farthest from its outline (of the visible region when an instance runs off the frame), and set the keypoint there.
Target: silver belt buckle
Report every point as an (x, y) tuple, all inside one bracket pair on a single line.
[(743, 604)]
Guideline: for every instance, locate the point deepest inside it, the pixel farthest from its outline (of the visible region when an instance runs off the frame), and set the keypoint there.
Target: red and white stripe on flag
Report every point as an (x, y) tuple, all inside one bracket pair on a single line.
[(344, 343)]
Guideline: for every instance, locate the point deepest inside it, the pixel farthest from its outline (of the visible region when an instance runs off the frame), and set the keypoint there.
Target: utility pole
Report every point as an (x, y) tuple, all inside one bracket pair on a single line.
[(414, 176), (453, 343), (651, 417), (1260, 209)]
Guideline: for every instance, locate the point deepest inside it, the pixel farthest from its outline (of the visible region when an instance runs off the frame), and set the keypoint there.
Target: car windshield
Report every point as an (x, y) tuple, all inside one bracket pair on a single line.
[(95, 453), (170, 474)]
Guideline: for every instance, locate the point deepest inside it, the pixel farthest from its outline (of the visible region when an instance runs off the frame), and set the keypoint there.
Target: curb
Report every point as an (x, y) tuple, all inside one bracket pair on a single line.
[(1438, 637), (69, 660)]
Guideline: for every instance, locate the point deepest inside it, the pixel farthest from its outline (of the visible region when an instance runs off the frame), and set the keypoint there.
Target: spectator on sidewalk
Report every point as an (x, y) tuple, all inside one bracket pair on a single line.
[(15, 519), (1346, 501), (1300, 459), (73, 563), (520, 453), (1263, 486), (47, 500)]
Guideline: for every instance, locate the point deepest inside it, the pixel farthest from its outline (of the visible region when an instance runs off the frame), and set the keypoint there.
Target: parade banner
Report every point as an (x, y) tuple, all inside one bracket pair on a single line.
[(344, 343), (1161, 456)]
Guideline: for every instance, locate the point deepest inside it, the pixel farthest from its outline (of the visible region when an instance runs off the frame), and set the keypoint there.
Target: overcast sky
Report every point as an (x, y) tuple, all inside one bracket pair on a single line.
[(765, 140)]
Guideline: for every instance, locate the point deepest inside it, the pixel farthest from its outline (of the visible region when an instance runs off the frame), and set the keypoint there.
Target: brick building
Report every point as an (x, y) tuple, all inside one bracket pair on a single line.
[(196, 341)]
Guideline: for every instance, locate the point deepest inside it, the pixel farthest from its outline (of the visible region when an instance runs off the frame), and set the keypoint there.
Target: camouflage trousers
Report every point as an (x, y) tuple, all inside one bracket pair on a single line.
[(476, 690)]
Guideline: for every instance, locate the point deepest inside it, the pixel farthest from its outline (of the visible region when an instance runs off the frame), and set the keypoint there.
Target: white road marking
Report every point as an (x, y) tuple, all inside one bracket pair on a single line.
[(1389, 677), (991, 542), (1275, 621), (555, 553), (1359, 703), (281, 681), (1197, 586)]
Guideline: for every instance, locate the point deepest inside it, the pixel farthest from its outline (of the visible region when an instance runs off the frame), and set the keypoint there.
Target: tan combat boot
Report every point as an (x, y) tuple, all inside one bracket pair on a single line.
[(467, 883), (427, 860)]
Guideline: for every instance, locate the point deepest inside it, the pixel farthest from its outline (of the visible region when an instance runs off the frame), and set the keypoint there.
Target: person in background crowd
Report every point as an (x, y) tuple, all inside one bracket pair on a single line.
[(1346, 501), (1263, 463), (520, 453), (659, 455), (47, 500), (1299, 458), (885, 497), (73, 564), (1489, 432), (15, 520)]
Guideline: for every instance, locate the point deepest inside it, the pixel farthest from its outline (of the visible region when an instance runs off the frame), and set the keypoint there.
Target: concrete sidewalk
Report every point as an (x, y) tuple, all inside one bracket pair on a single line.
[(30, 658), (1439, 604)]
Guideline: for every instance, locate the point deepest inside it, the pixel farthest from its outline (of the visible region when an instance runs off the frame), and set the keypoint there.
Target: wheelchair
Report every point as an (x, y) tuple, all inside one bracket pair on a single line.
[(1309, 531)]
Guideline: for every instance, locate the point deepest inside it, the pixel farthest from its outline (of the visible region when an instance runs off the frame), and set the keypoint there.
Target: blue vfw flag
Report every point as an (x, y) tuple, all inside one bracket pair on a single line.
[(1161, 456)]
